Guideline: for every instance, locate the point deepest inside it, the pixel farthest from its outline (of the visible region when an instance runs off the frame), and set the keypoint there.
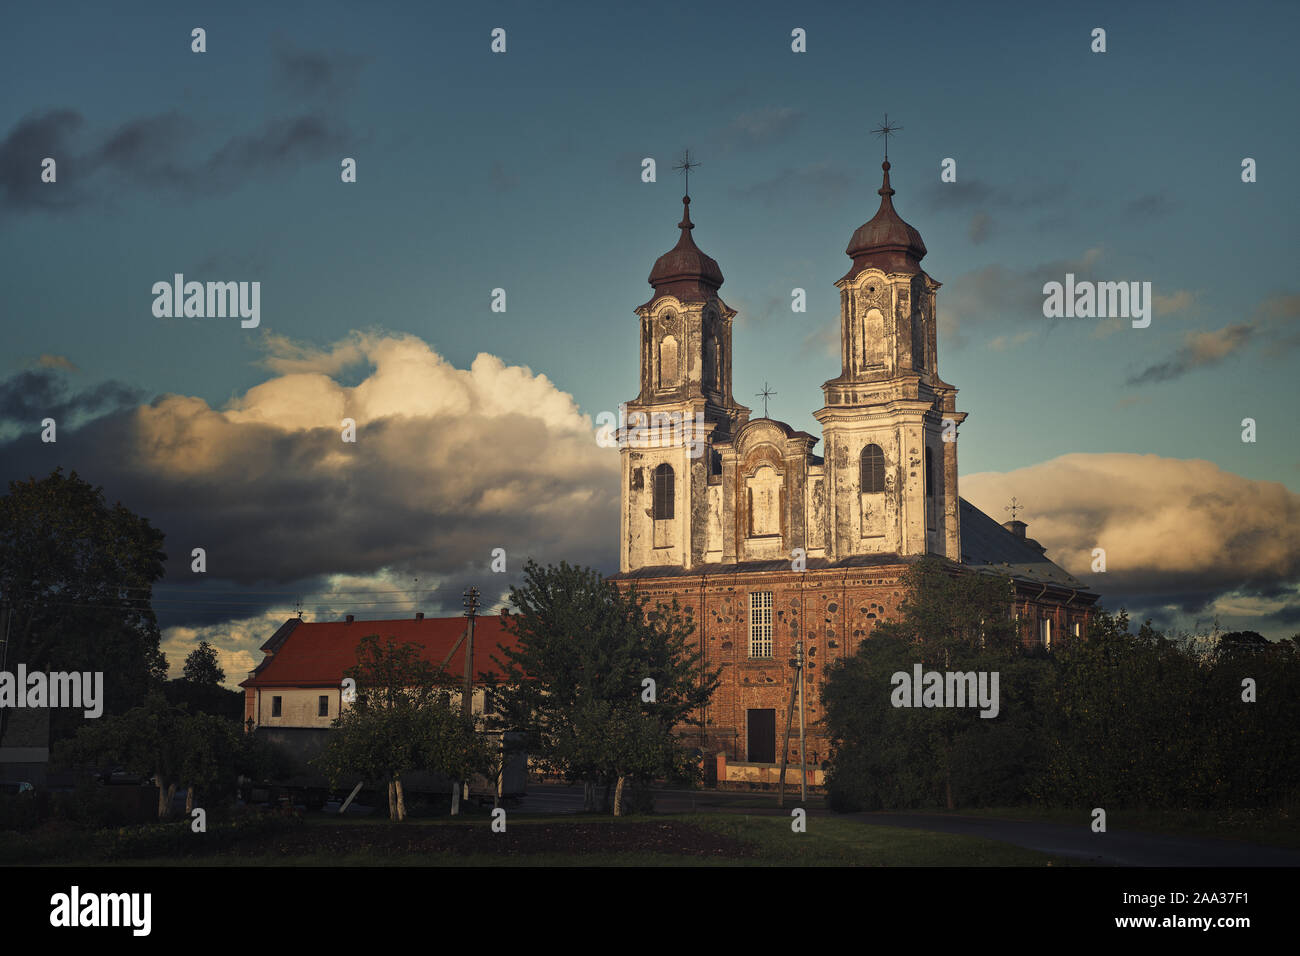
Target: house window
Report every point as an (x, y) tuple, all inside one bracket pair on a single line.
[(760, 624), (1045, 631), (323, 706), (275, 706), (664, 493), (872, 468), (1076, 629)]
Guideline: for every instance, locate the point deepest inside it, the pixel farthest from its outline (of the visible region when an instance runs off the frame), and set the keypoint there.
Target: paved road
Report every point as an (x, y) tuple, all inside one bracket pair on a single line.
[(1114, 848)]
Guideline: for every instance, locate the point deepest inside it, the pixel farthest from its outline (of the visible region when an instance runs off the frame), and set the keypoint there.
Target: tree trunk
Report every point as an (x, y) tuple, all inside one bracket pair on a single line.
[(189, 800), (455, 799), (401, 799), (588, 796), (618, 797), (167, 800), (162, 797), (392, 801)]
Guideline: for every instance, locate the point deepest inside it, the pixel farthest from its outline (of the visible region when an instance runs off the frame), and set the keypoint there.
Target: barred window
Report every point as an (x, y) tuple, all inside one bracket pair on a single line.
[(872, 478), (664, 492), (323, 706), (760, 624)]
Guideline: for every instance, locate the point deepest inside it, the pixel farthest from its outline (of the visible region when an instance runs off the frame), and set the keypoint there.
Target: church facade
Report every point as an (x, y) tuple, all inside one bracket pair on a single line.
[(767, 543)]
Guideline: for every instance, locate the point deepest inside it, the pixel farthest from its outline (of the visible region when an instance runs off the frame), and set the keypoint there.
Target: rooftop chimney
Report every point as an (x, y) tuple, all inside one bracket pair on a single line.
[(351, 618)]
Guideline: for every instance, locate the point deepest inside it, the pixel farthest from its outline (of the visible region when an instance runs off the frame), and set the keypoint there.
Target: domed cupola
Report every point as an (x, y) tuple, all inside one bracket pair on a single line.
[(684, 271), (886, 242)]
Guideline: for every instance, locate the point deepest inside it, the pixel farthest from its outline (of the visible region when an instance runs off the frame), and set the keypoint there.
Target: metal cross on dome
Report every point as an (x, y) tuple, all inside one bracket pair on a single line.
[(884, 129), (764, 395), (686, 166)]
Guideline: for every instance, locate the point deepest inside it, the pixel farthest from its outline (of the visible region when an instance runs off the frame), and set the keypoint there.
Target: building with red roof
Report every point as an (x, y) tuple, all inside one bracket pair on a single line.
[(299, 683)]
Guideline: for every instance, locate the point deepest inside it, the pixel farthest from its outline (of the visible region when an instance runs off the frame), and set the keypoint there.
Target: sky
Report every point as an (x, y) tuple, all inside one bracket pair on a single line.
[(522, 170)]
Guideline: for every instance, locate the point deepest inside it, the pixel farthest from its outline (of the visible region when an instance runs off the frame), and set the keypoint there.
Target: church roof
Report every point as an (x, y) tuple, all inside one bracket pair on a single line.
[(987, 546), (316, 654), (684, 270), (886, 242)]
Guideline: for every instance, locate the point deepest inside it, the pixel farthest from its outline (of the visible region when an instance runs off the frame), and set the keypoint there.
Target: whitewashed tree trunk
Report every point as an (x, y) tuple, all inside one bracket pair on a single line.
[(618, 797), (401, 800)]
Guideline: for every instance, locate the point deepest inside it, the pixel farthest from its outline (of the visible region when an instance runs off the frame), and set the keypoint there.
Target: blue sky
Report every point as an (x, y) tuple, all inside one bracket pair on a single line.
[(522, 171)]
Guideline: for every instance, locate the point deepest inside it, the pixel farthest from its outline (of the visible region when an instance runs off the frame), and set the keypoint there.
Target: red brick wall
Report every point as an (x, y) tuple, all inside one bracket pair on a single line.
[(831, 611)]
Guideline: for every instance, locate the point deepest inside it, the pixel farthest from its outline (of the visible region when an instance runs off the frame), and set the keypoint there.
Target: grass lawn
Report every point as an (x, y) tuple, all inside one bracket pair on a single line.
[(585, 840)]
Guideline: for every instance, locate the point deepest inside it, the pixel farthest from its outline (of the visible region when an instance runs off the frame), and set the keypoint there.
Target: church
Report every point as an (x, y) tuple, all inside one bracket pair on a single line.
[(767, 543)]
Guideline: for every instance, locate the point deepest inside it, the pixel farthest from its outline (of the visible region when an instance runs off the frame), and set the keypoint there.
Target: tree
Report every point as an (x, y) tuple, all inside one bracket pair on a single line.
[(77, 577), (201, 752), (576, 680), (403, 720), (949, 620), (201, 666)]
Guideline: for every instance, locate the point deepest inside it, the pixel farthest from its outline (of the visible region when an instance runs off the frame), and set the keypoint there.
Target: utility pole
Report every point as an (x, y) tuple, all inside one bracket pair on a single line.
[(796, 692), (467, 692), (803, 753)]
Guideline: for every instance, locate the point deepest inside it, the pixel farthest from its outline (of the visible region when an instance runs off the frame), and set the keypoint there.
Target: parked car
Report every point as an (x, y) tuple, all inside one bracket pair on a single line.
[(16, 787)]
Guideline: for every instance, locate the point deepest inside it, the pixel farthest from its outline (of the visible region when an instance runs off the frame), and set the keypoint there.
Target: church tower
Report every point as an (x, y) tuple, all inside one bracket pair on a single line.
[(891, 476), (671, 469)]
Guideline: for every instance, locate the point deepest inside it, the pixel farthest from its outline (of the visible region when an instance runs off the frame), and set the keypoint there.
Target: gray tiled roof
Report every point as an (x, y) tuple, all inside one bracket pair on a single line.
[(986, 545)]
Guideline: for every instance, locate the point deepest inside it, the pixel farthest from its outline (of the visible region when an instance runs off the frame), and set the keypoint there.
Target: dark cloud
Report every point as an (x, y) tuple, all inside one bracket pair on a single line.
[(763, 127), (313, 73), (274, 496), (819, 182), (147, 153), (28, 397), (999, 299), (1181, 537), (1201, 349), (22, 150)]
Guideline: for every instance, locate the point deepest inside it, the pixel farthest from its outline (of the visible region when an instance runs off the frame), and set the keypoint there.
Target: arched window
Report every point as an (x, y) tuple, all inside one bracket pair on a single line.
[(667, 362), (929, 476), (663, 493), (872, 478)]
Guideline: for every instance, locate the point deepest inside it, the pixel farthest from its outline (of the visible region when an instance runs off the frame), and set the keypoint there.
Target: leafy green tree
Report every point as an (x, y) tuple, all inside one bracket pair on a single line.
[(883, 756), (77, 576), (575, 682), (201, 752), (201, 666), (403, 720)]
